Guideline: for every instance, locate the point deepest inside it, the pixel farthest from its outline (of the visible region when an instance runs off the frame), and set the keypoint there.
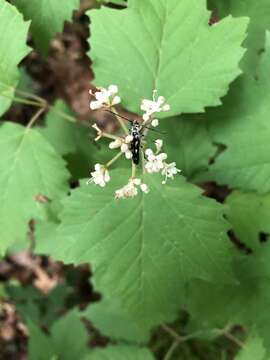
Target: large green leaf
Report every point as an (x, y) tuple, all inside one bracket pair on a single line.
[(12, 50), (259, 14), (188, 143), (47, 18), (249, 215), (166, 45), (151, 244), (242, 125), (120, 352), (29, 167)]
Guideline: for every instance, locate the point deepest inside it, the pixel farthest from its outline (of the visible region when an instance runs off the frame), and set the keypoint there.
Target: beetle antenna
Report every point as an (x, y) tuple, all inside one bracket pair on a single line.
[(123, 117), (149, 128)]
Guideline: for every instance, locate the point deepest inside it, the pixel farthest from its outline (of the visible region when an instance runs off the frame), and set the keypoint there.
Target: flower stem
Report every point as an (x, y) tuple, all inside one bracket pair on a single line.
[(23, 101), (133, 171), (120, 120), (143, 161), (109, 136), (114, 159)]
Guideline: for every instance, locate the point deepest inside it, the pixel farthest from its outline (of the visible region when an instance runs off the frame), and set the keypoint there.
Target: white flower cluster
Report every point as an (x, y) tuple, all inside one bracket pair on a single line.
[(100, 176), (105, 97), (131, 189), (123, 144), (156, 162), (152, 161), (151, 107)]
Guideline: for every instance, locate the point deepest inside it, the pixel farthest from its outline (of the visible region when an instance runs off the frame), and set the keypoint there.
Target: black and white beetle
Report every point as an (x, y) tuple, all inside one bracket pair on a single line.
[(136, 130), (135, 145)]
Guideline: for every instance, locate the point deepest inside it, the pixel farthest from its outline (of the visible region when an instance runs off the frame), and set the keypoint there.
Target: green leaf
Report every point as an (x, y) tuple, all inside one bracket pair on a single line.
[(47, 18), (172, 233), (37, 307), (249, 215), (12, 50), (242, 125), (121, 352), (246, 303), (166, 45), (188, 143), (68, 339), (253, 349), (59, 131), (30, 167), (108, 312), (76, 142), (259, 22), (39, 346)]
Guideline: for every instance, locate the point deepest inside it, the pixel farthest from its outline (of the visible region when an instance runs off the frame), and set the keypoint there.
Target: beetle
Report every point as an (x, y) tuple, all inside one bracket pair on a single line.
[(135, 145), (136, 130)]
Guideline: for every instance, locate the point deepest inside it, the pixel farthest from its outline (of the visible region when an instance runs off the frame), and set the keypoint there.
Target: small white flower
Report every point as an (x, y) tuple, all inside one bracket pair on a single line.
[(124, 147), (166, 107), (123, 144), (104, 97), (150, 107), (128, 139), (100, 176), (130, 190), (155, 123), (128, 155), (154, 163), (169, 171), (113, 89), (115, 144), (159, 144), (144, 188)]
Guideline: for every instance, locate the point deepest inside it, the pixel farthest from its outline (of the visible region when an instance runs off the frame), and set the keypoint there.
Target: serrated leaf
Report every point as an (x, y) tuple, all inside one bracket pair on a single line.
[(259, 14), (249, 215), (108, 312), (121, 352), (30, 167), (188, 143), (172, 233), (166, 45), (242, 125), (12, 50), (252, 349), (47, 18)]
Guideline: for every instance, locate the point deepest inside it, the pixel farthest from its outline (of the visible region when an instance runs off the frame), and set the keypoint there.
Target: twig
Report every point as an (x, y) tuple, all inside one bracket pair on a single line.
[(233, 339), (171, 350), (35, 117), (173, 333)]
